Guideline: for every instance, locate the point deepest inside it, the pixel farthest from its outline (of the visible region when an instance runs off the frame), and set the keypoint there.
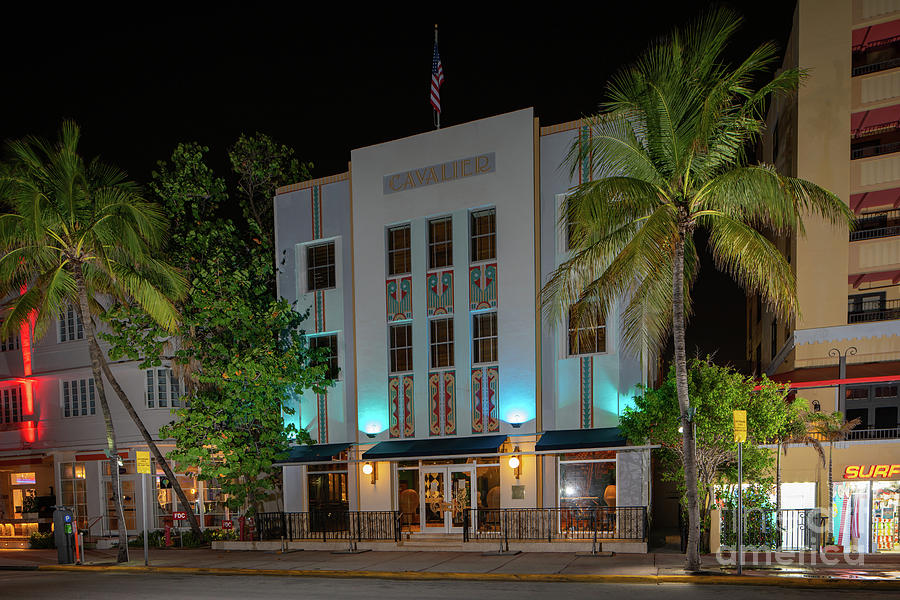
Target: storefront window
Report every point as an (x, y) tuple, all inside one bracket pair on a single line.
[(850, 515), (408, 498), (164, 505), (488, 500), (213, 504), (74, 491), (128, 501), (328, 491), (886, 516), (587, 484)]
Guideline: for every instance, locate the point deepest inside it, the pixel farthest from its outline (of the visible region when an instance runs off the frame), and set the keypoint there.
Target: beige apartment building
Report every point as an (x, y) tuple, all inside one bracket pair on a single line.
[(842, 352)]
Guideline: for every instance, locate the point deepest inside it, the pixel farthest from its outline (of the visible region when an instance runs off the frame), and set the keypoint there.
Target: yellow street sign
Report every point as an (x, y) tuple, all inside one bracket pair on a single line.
[(143, 462), (740, 426)]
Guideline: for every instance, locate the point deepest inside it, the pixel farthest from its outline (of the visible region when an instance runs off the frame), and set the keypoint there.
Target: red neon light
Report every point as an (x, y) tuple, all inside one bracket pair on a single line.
[(834, 382), (29, 432)]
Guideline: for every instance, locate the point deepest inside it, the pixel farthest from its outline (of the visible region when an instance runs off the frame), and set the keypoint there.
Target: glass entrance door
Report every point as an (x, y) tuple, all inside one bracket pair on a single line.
[(447, 492)]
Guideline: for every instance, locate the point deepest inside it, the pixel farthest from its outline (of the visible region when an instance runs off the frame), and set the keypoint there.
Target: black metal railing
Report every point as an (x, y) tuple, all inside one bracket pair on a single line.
[(873, 433), (875, 150), (601, 523), (884, 223), (796, 529), (889, 310), (882, 65), (330, 525)]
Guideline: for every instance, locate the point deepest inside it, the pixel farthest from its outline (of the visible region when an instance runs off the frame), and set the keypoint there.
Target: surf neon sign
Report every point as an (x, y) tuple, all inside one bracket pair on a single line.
[(870, 471)]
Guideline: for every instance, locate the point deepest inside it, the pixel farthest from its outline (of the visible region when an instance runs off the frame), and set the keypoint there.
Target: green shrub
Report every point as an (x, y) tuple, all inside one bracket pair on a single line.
[(156, 539), (42, 540)]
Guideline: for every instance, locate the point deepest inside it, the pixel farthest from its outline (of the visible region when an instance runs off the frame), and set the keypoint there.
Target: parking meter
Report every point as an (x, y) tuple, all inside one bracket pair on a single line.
[(64, 534)]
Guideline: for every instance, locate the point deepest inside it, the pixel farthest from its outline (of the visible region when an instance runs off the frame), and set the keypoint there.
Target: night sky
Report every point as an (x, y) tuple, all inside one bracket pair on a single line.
[(141, 77)]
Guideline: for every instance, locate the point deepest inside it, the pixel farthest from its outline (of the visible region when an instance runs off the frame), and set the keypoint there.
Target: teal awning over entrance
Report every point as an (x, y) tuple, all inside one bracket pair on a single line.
[(573, 439), (314, 453), (465, 446)]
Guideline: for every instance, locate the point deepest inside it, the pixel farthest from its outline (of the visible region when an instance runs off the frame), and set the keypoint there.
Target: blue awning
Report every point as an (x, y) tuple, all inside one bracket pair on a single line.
[(574, 439), (463, 446), (314, 453)]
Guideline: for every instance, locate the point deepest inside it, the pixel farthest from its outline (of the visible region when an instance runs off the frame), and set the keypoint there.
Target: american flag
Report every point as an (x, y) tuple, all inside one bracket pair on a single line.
[(437, 78)]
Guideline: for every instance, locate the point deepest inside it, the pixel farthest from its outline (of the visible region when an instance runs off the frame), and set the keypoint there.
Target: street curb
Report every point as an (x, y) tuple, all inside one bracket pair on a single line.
[(792, 582)]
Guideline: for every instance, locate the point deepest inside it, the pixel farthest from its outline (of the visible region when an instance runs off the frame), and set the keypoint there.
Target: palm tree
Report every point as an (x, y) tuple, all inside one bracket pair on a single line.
[(79, 234), (831, 428), (666, 157), (797, 430)]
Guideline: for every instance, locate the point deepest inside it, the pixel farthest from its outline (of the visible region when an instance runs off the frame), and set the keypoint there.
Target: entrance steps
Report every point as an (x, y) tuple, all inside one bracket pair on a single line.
[(433, 542)]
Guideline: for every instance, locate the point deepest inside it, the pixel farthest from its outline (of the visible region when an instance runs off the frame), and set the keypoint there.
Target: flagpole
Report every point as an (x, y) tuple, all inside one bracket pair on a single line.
[(437, 113)]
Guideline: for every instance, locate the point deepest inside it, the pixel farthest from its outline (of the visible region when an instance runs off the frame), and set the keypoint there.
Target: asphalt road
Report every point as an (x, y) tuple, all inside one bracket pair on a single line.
[(38, 585)]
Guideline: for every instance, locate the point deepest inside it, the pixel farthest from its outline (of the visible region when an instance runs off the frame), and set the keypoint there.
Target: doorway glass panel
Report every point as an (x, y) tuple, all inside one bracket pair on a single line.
[(434, 499), (461, 496)]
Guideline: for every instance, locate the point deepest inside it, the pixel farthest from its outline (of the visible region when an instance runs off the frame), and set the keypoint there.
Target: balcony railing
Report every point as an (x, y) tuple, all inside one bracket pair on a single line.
[(876, 225), (890, 433), (330, 525), (882, 65), (868, 151), (890, 310)]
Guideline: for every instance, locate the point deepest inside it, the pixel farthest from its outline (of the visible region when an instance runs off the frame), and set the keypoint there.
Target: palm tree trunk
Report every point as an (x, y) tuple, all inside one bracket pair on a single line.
[(148, 439), (681, 386), (111, 446)]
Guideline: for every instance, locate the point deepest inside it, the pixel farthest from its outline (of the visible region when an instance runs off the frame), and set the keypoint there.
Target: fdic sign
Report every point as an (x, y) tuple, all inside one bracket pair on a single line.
[(440, 173)]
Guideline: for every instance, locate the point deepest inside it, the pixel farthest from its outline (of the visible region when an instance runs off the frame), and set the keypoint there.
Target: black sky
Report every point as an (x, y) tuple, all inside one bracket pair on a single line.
[(141, 77)]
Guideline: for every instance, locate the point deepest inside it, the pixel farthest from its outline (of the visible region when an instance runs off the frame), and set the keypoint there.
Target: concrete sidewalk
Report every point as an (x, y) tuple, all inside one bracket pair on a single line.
[(880, 571)]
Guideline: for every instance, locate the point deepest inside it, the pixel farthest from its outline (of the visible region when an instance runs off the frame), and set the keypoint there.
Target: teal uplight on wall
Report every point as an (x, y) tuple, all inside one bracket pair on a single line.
[(373, 428), (519, 413)]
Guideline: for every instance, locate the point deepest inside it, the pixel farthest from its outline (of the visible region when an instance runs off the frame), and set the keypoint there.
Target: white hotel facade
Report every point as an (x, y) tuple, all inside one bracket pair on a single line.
[(421, 267)]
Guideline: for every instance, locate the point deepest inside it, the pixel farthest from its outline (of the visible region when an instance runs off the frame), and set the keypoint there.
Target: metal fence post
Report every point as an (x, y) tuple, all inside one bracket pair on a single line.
[(506, 531), (594, 527)]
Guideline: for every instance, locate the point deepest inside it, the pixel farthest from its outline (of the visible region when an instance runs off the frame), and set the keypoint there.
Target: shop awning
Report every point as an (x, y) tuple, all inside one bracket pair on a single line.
[(573, 439), (463, 446), (314, 453)]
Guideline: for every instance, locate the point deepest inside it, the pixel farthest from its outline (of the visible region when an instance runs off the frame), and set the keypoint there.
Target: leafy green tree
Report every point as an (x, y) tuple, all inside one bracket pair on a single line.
[(715, 393), (262, 165), (666, 157), (79, 233), (242, 352)]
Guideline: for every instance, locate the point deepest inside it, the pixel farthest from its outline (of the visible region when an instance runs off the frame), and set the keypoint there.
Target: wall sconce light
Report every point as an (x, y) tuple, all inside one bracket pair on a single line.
[(816, 406), (369, 469), (515, 464), (370, 435)]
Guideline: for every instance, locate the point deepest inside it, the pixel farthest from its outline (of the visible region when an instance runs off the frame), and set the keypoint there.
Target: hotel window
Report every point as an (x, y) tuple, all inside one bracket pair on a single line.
[(11, 405), (78, 397), (440, 243), (330, 344), (163, 389), (399, 260), (484, 338), (484, 235), (70, 326), (401, 348), (74, 490), (589, 338), (441, 343), (11, 342), (320, 267)]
